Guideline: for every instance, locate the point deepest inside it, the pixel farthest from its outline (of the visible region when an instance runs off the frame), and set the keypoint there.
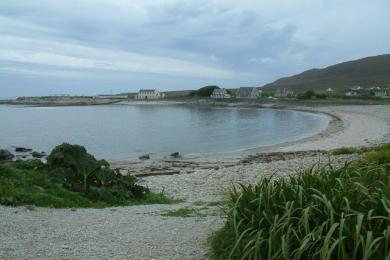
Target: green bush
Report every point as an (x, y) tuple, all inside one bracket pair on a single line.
[(71, 178), (311, 94), (206, 91), (317, 214), (346, 150)]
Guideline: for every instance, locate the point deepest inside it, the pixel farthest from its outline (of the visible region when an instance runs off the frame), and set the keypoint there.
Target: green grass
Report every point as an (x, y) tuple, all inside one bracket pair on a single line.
[(183, 213), (322, 213), (210, 204), (359, 150), (22, 183), (336, 101)]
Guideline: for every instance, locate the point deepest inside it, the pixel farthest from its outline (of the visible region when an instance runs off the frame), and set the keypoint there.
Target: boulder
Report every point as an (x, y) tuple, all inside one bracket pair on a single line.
[(22, 150), (175, 155), (38, 154), (144, 157), (6, 155)]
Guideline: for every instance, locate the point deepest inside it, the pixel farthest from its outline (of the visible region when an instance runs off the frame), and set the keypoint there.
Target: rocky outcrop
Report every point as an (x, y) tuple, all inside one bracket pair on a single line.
[(175, 155), (144, 157), (38, 154), (6, 155), (22, 150)]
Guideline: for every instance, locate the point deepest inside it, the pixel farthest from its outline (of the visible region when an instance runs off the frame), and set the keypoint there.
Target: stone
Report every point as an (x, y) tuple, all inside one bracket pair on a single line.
[(6, 155), (22, 150), (38, 154), (175, 155), (144, 157)]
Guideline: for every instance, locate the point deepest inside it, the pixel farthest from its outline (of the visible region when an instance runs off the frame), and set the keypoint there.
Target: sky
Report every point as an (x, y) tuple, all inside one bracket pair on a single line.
[(88, 47)]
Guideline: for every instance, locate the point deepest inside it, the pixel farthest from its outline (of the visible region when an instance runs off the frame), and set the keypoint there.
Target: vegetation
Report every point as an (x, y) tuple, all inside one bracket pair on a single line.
[(322, 213), (205, 91), (311, 94), (183, 213), (71, 178), (350, 150), (367, 72)]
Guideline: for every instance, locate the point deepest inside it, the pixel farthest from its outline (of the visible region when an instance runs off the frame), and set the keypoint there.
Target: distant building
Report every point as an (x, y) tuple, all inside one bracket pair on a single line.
[(284, 92), (145, 94), (330, 91), (220, 93), (249, 92), (351, 93), (381, 93), (356, 88)]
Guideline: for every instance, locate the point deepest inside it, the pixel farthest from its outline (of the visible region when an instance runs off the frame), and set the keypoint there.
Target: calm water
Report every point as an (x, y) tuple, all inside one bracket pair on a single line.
[(125, 132)]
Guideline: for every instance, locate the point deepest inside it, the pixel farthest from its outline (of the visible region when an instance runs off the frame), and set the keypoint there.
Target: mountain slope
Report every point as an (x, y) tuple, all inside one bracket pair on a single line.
[(370, 71)]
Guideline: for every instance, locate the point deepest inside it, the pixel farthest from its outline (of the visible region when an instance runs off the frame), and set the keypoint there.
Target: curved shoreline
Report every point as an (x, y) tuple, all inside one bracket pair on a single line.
[(344, 122), (144, 232)]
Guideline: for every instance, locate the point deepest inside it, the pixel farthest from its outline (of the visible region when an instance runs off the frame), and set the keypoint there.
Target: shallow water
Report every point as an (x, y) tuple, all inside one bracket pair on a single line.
[(125, 132)]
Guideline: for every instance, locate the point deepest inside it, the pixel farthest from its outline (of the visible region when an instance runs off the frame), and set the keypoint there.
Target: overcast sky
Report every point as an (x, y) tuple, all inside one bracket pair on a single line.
[(104, 46)]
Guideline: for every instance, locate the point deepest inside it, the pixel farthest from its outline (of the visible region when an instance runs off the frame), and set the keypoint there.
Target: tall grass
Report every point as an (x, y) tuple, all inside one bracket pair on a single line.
[(322, 213)]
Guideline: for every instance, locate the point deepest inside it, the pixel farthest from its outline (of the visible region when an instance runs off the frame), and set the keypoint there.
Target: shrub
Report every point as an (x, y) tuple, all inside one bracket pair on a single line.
[(325, 213), (71, 178), (346, 150), (206, 91)]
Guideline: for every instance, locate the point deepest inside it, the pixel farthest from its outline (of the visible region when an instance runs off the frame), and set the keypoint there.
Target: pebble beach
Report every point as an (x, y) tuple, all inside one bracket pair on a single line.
[(145, 232)]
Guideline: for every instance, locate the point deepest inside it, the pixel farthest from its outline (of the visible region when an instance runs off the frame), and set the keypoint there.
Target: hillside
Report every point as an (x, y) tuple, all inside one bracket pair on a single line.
[(366, 72)]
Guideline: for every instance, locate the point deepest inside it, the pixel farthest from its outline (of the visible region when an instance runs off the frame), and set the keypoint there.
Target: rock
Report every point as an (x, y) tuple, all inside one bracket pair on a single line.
[(6, 155), (144, 157), (38, 154), (22, 150), (175, 155)]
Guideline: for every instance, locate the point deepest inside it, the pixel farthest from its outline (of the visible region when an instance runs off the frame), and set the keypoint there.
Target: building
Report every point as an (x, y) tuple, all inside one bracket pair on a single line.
[(351, 94), (330, 91), (145, 94), (356, 88), (381, 93), (220, 93), (249, 92), (285, 92)]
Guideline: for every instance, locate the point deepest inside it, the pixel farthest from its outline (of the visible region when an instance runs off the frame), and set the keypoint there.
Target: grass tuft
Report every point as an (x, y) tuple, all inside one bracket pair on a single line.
[(183, 213), (321, 213)]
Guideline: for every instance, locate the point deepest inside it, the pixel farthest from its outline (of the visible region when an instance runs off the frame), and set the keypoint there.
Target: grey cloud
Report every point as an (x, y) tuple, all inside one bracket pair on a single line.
[(253, 41)]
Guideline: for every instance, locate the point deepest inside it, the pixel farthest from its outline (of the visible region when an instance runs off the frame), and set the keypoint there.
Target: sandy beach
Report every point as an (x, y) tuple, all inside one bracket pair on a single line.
[(142, 232)]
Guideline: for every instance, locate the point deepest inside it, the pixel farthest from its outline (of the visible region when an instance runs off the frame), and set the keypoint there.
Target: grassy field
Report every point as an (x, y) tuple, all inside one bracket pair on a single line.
[(322, 213)]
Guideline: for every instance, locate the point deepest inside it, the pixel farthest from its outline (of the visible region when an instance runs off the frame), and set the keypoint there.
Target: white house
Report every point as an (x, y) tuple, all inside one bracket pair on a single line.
[(356, 88), (145, 94), (381, 93), (249, 92), (284, 93), (351, 93), (220, 93)]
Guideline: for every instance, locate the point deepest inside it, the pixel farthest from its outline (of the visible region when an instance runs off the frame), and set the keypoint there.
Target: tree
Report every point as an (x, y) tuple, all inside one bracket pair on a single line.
[(206, 91)]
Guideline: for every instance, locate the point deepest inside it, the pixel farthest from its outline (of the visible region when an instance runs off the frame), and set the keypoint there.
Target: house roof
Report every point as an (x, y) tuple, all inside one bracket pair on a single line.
[(219, 91), (146, 90), (246, 91)]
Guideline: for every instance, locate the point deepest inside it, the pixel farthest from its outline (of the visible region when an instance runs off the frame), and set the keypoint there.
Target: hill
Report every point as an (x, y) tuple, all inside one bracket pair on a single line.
[(366, 72)]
